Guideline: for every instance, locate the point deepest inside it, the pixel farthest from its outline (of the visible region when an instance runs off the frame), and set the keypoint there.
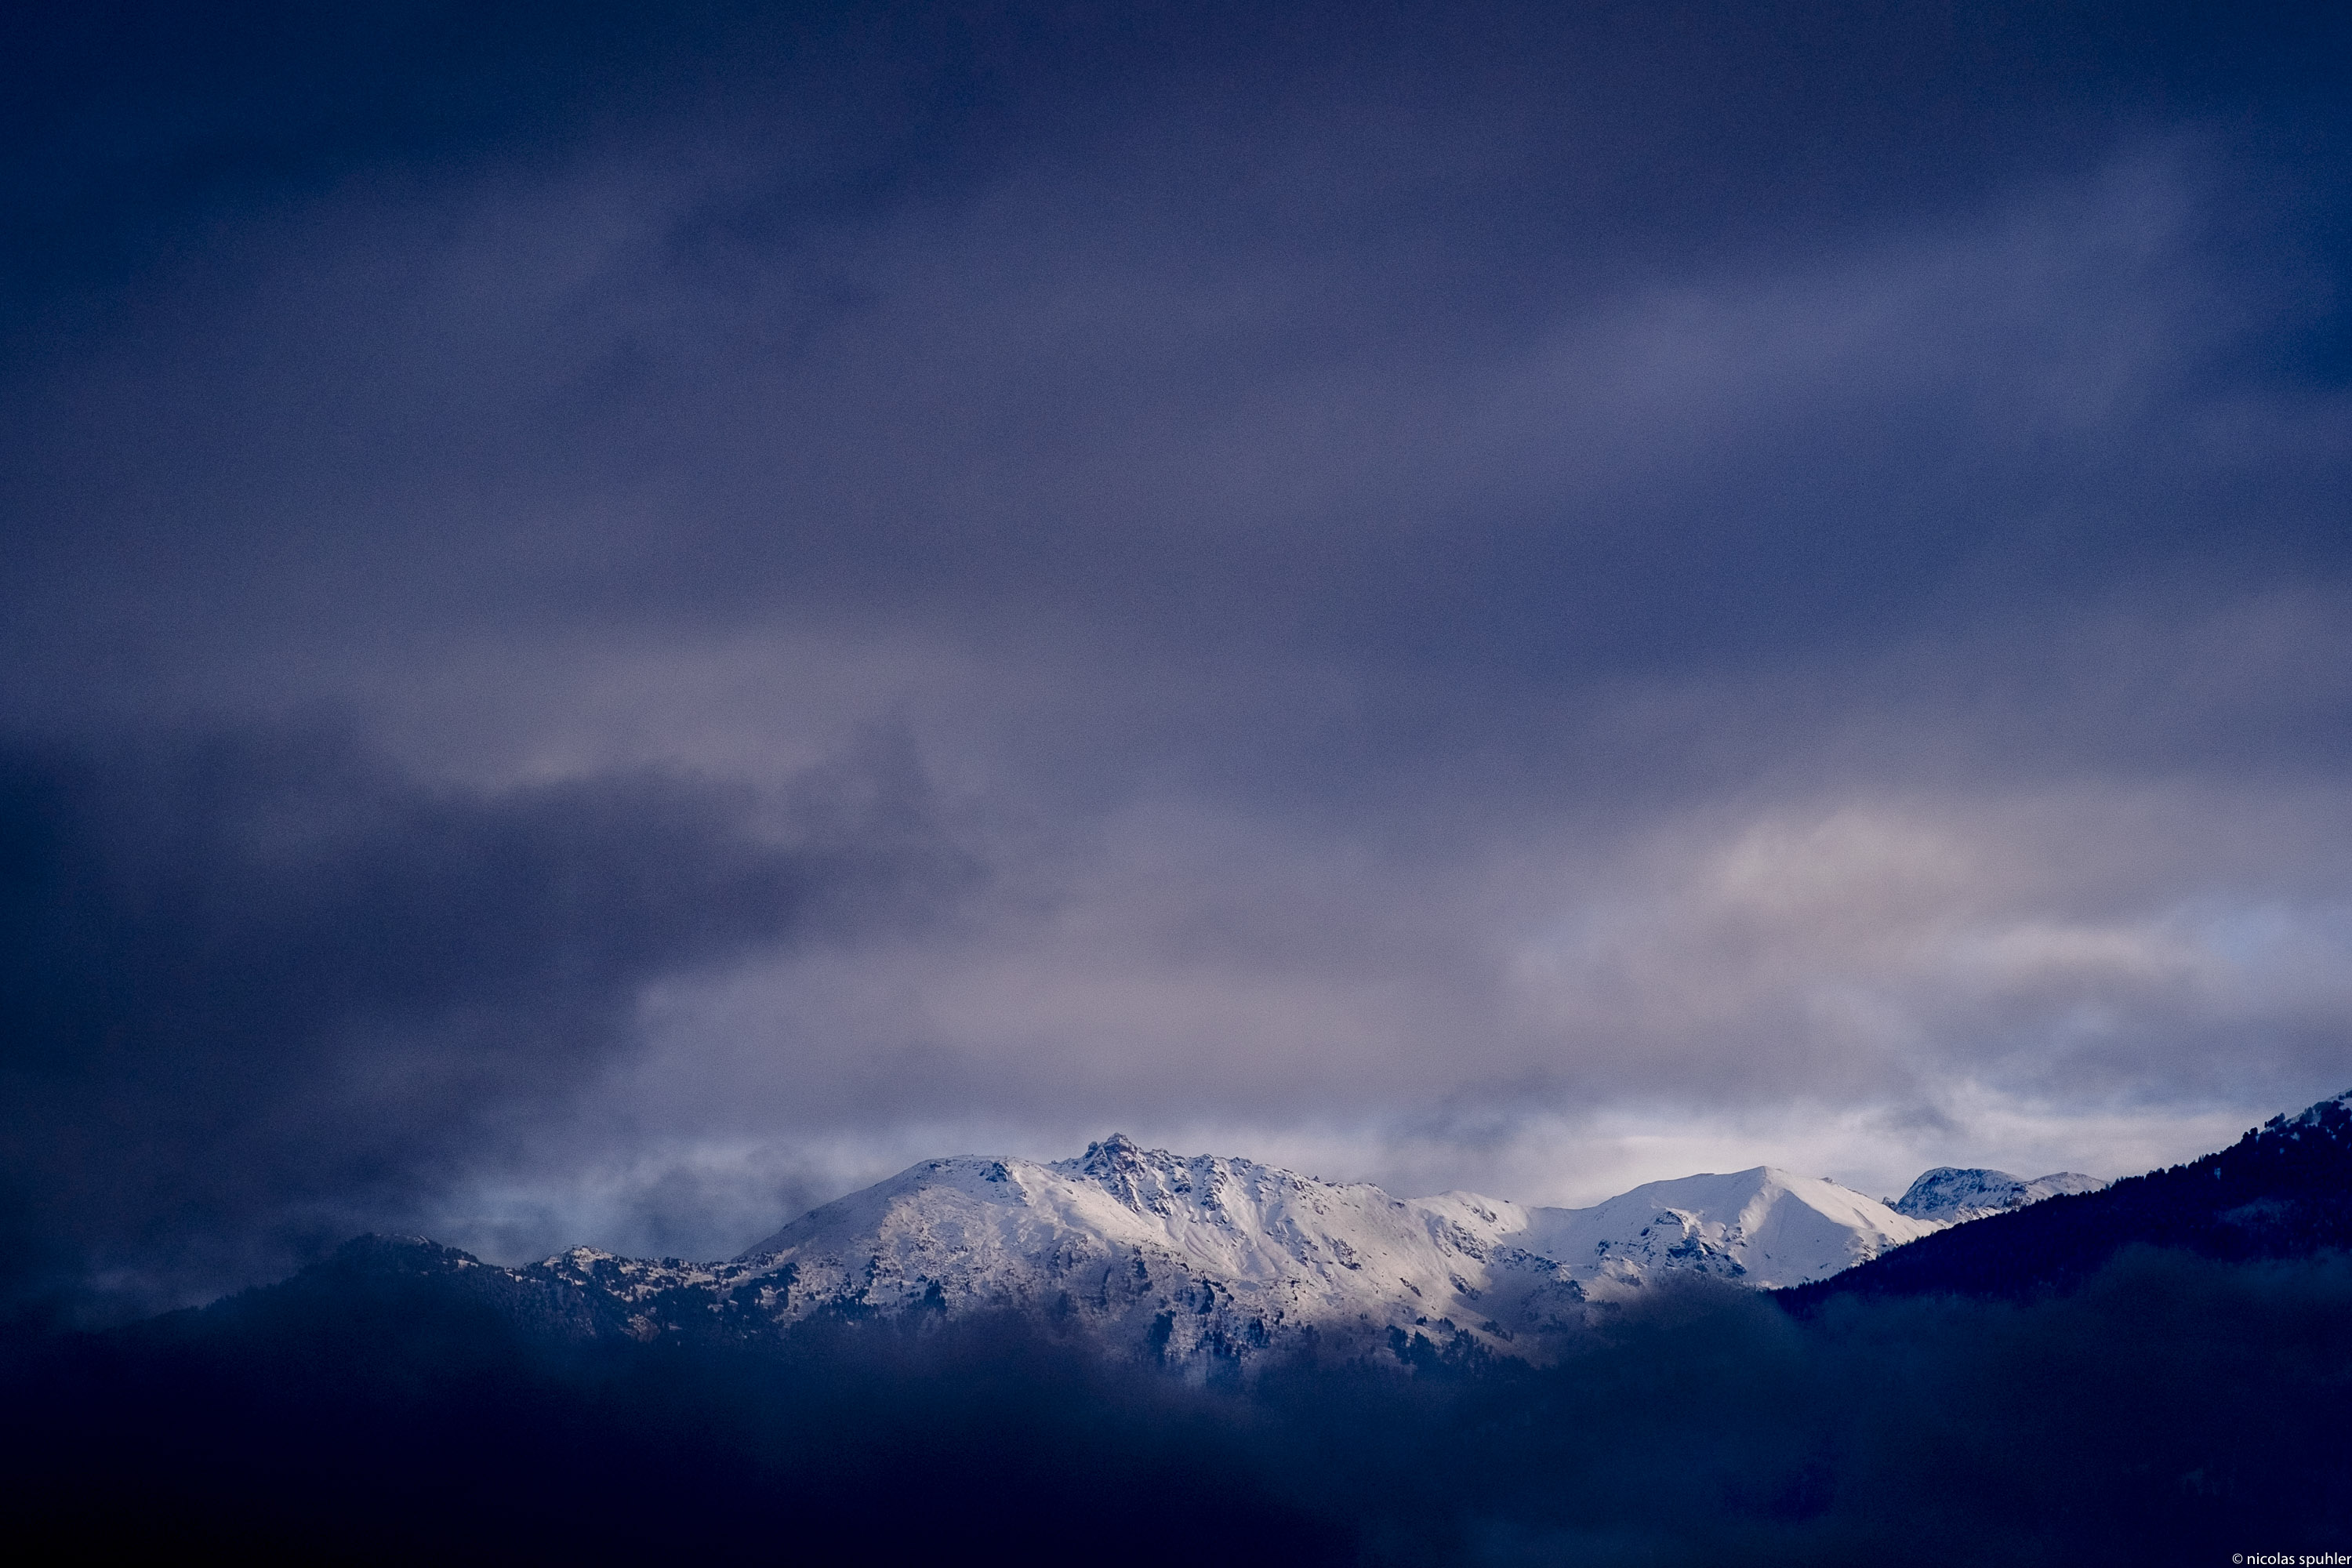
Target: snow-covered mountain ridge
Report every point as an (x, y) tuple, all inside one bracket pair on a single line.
[(1765, 1228), (1193, 1260)]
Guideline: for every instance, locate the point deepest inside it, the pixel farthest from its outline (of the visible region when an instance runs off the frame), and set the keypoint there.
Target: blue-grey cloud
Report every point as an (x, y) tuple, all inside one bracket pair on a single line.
[(1481, 576), (265, 986)]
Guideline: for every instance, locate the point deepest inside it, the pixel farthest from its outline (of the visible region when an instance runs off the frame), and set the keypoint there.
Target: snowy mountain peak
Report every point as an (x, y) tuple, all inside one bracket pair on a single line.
[(1153, 1181), (1116, 1153), (1952, 1195), (1189, 1257)]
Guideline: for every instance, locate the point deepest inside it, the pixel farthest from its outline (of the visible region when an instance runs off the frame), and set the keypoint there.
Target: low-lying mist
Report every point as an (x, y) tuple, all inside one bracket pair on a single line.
[(2172, 1409)]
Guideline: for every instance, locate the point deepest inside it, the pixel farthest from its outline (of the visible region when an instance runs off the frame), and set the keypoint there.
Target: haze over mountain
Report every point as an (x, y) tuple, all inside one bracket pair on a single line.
[(1203, 1262)]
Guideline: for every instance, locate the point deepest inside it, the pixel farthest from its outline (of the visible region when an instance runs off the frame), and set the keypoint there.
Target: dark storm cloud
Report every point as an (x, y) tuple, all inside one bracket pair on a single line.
[(1384, 382), (1188, 323), (263, 988), (1480, 564)]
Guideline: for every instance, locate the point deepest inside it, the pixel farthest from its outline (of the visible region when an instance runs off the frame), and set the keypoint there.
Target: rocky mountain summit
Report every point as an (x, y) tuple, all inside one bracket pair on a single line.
[(1952, 1196)]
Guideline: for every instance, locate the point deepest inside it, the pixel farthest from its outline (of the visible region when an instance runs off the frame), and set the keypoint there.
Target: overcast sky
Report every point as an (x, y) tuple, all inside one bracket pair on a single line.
[(618, 621)]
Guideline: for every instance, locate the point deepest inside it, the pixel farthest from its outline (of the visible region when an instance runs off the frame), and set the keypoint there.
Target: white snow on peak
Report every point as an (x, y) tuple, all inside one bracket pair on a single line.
[(1188, 1255), (1952, 1195), (1765, 1228)]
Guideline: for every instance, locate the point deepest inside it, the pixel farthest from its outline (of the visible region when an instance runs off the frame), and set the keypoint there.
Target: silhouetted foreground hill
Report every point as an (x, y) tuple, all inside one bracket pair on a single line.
[(2284, 1190)]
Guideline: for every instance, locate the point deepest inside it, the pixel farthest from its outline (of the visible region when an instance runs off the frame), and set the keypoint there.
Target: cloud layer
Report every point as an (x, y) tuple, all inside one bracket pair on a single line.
[(1496, 598)]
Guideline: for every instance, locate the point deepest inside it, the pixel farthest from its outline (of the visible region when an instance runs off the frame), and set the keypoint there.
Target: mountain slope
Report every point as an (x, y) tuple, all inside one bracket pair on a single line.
[(2284, 1190)]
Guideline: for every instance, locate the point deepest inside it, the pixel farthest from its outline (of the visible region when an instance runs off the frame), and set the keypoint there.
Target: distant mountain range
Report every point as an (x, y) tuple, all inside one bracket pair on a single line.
[(1199, 1261), (1191, 1261)]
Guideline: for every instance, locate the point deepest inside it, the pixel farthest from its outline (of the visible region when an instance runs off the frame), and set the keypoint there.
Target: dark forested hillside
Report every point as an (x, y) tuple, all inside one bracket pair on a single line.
[(2284, 1190)]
